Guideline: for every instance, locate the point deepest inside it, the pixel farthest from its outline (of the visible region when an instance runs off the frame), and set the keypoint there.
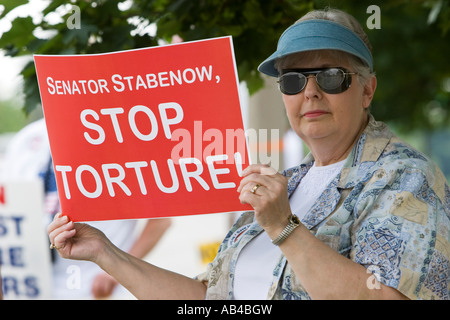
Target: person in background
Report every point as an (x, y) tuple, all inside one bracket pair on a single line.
[(28, 157), (364, 216)]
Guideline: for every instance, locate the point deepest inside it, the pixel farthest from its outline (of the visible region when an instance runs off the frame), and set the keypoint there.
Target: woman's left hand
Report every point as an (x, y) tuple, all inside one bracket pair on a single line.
[(269, 197)]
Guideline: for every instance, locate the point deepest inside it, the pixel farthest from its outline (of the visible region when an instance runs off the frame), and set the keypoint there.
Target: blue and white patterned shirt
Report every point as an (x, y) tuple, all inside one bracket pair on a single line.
[(388, 210)]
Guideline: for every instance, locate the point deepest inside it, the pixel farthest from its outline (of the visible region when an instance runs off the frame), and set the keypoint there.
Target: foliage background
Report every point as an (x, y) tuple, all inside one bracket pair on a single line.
[(411, 50)]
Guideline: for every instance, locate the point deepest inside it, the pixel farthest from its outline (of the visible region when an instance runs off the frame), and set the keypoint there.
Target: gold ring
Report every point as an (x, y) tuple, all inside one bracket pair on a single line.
[(52, 246), (255, 187)]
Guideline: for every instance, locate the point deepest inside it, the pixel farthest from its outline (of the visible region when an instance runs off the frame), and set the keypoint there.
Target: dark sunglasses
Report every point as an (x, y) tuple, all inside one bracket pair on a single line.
[(330, 80)]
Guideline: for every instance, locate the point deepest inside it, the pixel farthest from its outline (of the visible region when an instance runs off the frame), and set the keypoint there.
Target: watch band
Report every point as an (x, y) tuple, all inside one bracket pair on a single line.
[(294, 222)]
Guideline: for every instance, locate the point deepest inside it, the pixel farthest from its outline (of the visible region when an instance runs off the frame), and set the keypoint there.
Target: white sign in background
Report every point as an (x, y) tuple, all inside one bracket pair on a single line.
[(24, 250)]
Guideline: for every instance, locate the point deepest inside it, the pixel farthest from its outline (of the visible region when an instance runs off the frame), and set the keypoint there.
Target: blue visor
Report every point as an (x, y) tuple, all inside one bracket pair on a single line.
[(312, 35)]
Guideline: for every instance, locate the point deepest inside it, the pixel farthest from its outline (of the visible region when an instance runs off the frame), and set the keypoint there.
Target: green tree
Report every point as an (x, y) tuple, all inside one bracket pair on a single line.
[(411, 61), (411, 49), (11, 119)]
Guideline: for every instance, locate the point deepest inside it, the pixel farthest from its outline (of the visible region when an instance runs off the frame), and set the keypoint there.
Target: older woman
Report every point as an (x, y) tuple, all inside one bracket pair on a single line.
[(364, 215)]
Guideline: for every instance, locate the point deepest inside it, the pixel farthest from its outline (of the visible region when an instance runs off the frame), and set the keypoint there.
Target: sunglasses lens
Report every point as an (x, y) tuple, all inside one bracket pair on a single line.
[(330, 79), (292, 83)]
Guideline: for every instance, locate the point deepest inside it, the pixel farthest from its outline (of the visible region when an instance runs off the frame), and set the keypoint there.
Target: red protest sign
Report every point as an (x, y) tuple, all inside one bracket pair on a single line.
[(145, 133)]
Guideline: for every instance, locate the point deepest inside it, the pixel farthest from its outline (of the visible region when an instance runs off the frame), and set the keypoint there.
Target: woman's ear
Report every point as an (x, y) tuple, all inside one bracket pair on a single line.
[(369, 91)]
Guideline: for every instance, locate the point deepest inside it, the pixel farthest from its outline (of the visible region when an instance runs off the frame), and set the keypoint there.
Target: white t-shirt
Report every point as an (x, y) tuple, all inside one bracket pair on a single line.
[(256, 261), (312, 186)]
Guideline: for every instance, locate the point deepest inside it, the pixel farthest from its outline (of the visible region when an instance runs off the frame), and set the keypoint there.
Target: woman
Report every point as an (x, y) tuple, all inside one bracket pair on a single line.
[(371, 214)]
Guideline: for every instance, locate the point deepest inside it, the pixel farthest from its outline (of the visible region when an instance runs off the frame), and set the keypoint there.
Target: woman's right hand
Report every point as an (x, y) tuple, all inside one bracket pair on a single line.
[(76, 241)]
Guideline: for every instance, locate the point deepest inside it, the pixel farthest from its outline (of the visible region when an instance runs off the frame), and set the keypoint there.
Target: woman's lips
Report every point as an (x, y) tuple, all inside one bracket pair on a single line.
[(314, 113)]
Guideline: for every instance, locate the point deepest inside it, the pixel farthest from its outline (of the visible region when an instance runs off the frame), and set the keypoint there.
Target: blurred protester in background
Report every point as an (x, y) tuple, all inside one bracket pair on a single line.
[(28, 158)]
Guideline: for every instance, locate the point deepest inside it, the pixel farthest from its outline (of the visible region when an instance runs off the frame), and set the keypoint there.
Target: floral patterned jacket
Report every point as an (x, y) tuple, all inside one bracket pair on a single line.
[(388, 210)]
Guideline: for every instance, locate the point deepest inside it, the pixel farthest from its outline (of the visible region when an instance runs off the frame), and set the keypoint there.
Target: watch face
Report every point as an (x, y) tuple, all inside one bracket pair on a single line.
[(295, 219)]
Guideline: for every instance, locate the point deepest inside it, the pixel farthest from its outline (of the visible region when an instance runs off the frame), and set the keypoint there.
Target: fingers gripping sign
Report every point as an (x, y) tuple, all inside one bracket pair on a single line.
[(76, 241), (59, 231), (266, 191)]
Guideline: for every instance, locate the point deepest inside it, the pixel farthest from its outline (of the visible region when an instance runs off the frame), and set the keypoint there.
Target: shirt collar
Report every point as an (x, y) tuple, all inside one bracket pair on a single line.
[(368, 148)]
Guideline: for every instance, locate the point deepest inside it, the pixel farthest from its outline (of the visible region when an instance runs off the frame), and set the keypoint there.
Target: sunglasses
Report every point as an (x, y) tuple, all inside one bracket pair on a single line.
[(330, 80)]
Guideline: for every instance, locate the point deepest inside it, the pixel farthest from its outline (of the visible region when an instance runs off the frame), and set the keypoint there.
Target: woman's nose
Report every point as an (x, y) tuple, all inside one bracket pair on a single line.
[(312, 89)]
